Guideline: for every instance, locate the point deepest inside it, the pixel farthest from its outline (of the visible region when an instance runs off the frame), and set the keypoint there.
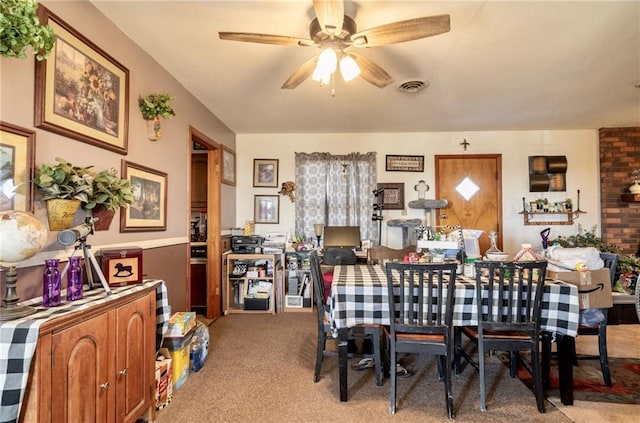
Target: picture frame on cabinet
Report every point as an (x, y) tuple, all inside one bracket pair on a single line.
[(17, 156), (265, 173), (81, 92), (148, 211), (266, 208), (228, 166)]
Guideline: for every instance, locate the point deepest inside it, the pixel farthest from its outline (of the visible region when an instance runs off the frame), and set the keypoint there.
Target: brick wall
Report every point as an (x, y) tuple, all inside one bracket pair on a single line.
[(619, 155)]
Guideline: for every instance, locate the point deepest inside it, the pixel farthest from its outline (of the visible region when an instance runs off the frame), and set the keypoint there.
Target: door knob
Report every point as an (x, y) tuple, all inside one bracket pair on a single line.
[(105, 385), (123, 372)]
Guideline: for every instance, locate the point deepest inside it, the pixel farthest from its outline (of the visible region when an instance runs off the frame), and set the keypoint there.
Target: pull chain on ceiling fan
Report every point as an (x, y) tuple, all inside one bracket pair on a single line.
[(333, 32)]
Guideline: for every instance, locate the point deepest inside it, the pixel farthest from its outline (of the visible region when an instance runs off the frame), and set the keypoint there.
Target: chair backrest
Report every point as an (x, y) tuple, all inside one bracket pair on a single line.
[(376, 255), (505, 289), (420, 297), (318, 287), (611, 262)]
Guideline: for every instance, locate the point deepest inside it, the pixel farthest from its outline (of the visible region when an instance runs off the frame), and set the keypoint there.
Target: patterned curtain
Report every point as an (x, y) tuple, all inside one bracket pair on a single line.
[(336, 190)]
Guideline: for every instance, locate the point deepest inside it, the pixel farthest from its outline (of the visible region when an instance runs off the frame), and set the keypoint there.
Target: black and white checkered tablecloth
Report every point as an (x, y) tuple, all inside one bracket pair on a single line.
[(359, 295), (18, 338)]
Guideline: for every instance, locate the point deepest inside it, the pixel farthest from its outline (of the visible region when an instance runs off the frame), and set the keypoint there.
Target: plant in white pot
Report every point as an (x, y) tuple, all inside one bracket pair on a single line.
[(20, 29), (110, 192), (64, 187), (635, 182), (153, 107)]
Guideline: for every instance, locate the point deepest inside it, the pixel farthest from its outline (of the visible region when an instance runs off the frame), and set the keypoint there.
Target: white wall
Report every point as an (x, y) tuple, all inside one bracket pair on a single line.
[(580, 147)]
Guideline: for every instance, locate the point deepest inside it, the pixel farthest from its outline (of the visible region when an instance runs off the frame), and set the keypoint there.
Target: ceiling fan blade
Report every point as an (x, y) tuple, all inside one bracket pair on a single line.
[(301, 74), (371, 72), (399, 32), (265, 38), (330, 14)]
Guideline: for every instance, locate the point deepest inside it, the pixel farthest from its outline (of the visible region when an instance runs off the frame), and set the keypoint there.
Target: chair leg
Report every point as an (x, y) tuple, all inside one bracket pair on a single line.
[(483, 397), (457, 345), (513, 364), (604, 357), (392, 377), (448, 389), (319, 356), (546, 361), (537, 379)]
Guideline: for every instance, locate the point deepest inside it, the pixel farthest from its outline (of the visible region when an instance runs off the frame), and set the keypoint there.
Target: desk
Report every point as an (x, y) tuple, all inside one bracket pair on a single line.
[(359, 296), (19, 337)]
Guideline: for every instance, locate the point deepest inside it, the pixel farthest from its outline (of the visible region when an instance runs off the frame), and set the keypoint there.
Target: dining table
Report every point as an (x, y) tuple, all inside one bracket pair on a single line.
[(359, 295)]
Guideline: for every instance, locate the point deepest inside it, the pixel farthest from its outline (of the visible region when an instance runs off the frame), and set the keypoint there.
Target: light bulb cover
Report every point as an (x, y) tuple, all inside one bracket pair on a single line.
[(349, 69)]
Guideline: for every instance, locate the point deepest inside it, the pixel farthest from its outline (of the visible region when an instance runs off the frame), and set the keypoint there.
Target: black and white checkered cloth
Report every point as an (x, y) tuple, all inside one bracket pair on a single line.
[(359, 296), (18, 338)]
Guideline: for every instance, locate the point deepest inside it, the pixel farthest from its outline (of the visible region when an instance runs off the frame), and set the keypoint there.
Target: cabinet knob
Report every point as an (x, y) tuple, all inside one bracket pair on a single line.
[(123, 372), (105, 385)]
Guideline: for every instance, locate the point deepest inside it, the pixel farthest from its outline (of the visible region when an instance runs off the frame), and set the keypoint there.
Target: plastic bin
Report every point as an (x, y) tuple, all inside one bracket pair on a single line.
[(179, 350)]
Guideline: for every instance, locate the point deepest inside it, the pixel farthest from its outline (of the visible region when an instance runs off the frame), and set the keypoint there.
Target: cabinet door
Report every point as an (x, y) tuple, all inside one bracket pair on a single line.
[(135, 345), (199, 181), (81, 376)]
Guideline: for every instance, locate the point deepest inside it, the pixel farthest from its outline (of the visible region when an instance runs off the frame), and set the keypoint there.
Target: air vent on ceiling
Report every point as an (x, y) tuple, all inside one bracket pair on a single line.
[(412, 86)]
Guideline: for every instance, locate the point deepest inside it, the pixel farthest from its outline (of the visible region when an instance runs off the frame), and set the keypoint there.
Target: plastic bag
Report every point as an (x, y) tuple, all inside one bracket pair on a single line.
[(199, 346)]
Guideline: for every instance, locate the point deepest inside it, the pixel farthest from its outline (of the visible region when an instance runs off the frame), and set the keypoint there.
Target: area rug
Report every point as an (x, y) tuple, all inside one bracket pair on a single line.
[(588, 384)]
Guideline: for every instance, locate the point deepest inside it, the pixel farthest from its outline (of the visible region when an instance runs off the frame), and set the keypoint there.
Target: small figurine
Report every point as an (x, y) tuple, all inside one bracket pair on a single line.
[(422, 188), (287, 189)]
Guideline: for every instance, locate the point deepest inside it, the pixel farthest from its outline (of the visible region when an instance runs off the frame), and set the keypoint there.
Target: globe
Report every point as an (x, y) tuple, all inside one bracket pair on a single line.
[(22, 234)]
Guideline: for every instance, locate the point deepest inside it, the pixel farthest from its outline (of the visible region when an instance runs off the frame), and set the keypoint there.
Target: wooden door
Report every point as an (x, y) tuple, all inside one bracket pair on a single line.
[(81, 386), (135, 350), (482, 207)]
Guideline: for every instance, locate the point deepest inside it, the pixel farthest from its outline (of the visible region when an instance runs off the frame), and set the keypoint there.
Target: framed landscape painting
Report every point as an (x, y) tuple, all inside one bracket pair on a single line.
[(148, 212), (228, 166), (17, 153), (81, 92)]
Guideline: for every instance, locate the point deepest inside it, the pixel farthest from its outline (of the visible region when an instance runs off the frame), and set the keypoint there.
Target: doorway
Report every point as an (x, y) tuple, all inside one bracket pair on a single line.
[(472, 184), (205, 181)]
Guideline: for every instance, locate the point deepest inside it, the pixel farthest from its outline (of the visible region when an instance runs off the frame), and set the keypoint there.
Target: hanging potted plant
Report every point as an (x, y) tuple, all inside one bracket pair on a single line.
[(635, 182), (21, 29), (153, 107), (110, 192), (64, 187)]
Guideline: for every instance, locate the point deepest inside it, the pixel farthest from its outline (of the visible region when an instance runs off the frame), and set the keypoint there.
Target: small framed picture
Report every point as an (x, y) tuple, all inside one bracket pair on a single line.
[(266, 208), (228, 166), (293, 301), (122, 266), (265, 172), (17, 155), (148, 211), (392, 195)]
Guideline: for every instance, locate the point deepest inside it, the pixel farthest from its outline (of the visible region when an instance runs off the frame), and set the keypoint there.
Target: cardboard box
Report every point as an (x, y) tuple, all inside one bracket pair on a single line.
[(164, 380), (179, 350), (594, 295), (180, 324)]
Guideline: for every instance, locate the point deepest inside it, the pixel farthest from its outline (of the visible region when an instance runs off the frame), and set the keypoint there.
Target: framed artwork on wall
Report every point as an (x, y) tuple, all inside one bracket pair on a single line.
[(81, 92), (266, 208), (17, 155), (148, 212), (265, 172), (228, 166), (395, 163), (392, 195)]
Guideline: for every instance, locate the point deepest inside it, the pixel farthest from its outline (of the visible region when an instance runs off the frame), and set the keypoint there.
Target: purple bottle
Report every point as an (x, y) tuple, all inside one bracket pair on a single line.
[(74, 279), (51, 284)]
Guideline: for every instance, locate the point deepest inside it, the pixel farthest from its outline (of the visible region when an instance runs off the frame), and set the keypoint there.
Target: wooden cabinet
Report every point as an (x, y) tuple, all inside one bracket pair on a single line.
[(95, 365), (250, 283), (199, 175)]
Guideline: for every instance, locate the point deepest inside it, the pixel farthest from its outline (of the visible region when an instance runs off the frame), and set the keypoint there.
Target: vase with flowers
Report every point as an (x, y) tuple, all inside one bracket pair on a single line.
[(153, 107), (635, 182)]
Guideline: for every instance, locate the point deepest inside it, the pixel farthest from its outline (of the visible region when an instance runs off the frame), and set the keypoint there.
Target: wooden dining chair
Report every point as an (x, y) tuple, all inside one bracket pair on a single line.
[(508, 319), (371, 332), (421, 315)]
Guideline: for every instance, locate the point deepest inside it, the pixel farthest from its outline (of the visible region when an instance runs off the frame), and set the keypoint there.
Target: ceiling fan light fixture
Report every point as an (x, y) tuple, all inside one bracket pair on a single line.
[(349, 69), (327, 64)]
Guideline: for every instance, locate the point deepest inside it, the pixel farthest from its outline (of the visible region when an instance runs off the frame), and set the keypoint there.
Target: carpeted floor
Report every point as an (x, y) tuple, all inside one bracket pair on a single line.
[(260, 368)]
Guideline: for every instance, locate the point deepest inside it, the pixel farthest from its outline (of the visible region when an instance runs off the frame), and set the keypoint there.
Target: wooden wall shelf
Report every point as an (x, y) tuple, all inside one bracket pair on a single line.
[(531, 218), (631, 198)]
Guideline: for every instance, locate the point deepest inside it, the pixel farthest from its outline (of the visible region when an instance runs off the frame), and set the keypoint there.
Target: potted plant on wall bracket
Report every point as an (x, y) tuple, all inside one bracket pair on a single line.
[(110, 192), (21, 29), (153, 107), (64, 187)]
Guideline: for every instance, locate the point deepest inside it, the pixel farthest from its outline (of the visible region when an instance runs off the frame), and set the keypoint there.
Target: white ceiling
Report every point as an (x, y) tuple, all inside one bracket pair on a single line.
[(503, 66)]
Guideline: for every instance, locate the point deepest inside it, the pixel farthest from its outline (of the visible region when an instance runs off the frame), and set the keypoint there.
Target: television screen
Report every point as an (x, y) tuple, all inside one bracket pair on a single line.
[(341, 237)]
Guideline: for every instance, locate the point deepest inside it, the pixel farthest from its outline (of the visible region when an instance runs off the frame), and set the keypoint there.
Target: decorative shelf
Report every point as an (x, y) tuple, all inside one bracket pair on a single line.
[(530, 218), (631, 198)]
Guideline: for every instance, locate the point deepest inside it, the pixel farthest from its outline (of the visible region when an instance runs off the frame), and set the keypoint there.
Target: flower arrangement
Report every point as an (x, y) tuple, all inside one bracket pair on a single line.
[(21, 29), (154, 105), (635, 176)]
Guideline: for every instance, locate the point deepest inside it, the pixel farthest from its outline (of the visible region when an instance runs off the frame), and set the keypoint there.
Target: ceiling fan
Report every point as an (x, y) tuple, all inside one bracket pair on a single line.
[(333, 32)]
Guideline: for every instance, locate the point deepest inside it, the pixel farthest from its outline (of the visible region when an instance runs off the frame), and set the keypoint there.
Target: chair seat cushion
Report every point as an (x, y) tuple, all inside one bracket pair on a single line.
[(472, 332)]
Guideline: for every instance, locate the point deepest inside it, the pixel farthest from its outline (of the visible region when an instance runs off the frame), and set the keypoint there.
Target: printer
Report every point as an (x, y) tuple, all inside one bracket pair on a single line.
[(245, 244)]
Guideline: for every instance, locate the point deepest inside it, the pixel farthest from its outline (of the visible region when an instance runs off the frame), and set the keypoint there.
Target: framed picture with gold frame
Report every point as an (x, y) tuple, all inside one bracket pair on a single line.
[(81, 91), (148, 211), (17, 155)]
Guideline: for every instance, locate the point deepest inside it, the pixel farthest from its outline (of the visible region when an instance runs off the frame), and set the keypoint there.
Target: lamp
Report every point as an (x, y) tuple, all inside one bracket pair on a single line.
[(317, 228), (328, 62)]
